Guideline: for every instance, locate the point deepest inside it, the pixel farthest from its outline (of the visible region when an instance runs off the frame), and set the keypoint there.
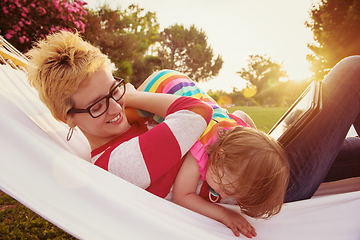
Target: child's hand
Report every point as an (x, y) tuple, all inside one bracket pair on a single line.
[(237, 223)]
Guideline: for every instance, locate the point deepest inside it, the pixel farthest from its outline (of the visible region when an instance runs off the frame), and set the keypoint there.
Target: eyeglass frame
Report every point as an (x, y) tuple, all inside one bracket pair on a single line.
[(107, 97)]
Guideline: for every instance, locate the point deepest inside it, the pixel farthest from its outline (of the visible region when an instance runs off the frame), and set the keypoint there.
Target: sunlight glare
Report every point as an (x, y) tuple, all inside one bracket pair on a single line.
[(225, 101), (249, 91)]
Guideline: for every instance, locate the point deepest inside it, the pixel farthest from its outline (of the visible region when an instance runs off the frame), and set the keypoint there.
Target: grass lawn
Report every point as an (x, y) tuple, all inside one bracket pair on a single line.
[(264, 117), (18, 222)]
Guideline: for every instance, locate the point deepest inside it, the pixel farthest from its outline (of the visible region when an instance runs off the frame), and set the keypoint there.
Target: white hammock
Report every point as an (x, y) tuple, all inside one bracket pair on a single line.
[(50, 176)]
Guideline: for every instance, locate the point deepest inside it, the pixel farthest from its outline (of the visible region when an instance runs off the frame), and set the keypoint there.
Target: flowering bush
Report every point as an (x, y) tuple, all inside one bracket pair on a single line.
[(25, 21)]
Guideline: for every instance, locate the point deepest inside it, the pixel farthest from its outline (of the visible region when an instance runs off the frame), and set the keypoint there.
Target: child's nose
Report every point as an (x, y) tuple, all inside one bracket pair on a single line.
[(223, 195)]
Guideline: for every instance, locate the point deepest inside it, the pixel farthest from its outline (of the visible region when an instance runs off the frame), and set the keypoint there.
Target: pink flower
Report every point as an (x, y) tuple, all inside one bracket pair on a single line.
[(65, 29), (56, 4), (23, 39), (21, 24), (8, 36), (25, 9), (32, 4), (42, 11), (65, 4), (17, 3), (5, 11), (77, 24), (16, 28), (82, 27), (82, 2)]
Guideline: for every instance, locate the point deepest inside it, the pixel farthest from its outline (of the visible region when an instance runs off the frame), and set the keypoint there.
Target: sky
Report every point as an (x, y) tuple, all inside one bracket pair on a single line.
[(237, 29)]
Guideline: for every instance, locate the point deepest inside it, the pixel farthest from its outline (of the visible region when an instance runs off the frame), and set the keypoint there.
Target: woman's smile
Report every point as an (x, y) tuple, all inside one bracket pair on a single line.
[(116, 118)]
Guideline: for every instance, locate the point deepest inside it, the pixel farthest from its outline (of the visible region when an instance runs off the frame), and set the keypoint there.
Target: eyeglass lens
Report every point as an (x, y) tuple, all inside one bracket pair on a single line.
[(103, 104)]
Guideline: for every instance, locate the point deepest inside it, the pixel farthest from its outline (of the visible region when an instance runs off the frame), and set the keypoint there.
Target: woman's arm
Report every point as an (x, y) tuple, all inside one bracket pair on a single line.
[(152, 102), (185, 195)]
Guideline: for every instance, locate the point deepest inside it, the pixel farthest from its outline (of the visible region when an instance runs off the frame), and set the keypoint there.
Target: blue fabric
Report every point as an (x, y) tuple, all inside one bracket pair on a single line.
[(320, 151)]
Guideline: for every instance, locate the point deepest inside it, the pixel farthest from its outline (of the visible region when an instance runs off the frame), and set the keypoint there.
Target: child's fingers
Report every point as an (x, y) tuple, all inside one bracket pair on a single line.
[(253, 231), (235, 231), (247, 230), (238, 224)]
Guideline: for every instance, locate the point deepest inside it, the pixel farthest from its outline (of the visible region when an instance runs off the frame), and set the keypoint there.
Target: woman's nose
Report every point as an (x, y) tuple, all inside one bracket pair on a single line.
[(113, 106)]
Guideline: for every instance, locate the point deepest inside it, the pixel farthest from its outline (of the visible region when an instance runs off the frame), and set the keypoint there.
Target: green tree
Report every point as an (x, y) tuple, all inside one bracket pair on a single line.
[(125, 36), (23, 22), (335, 26), (187, 51), (143, 68), (265, 74), (238, 98)]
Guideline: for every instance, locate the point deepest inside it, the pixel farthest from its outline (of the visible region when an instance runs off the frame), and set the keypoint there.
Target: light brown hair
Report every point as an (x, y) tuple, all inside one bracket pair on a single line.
[(58, 65), (258, 166)]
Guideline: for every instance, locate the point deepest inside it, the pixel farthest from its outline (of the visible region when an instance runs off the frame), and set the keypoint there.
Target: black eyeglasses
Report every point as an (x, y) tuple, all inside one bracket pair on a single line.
[(101, 106)]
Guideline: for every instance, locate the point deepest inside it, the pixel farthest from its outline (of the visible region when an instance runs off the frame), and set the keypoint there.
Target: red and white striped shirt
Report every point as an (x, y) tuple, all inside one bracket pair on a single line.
[(152, 158)]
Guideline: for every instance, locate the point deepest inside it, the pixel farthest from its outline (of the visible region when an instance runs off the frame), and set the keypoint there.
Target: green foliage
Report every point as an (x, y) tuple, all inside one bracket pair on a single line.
[(238, 98), (18, 222), (335, 26), (143, 68), (24, 21), (187, 51), (286, 94), (265, 74), (125, 36)]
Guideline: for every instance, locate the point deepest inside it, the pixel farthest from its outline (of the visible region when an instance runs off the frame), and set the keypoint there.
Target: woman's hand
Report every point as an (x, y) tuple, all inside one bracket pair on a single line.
[(129, 87), (129, 92), (237, 223)]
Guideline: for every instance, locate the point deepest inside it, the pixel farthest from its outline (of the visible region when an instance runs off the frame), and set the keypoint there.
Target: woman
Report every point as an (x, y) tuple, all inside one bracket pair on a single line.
[(74, 80)]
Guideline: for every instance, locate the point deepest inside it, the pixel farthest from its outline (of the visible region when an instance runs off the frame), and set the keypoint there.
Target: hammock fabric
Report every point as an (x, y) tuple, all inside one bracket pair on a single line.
[(50, 176)]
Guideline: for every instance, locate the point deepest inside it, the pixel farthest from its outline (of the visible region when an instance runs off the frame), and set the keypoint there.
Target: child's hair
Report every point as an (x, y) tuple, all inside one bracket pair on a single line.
[(58, 65), (258, 168)]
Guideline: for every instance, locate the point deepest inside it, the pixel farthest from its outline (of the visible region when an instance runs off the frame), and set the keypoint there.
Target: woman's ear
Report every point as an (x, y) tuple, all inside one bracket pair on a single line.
[(69, 120)]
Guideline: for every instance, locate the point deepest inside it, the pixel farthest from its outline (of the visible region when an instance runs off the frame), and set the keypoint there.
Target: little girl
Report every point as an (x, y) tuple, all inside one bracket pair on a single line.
[(232, 160)]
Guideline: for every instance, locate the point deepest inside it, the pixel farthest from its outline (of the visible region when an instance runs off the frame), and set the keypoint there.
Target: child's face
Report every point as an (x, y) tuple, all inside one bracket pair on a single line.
[(210, 176), (112, 123)]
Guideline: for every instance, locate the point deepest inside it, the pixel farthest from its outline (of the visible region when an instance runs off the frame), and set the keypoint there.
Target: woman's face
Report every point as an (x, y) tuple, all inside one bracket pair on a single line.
[(112, 123)]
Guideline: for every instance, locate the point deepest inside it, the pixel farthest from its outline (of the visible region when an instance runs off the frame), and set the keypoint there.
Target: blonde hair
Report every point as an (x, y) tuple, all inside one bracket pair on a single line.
[(258, 167), (58, 65)]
